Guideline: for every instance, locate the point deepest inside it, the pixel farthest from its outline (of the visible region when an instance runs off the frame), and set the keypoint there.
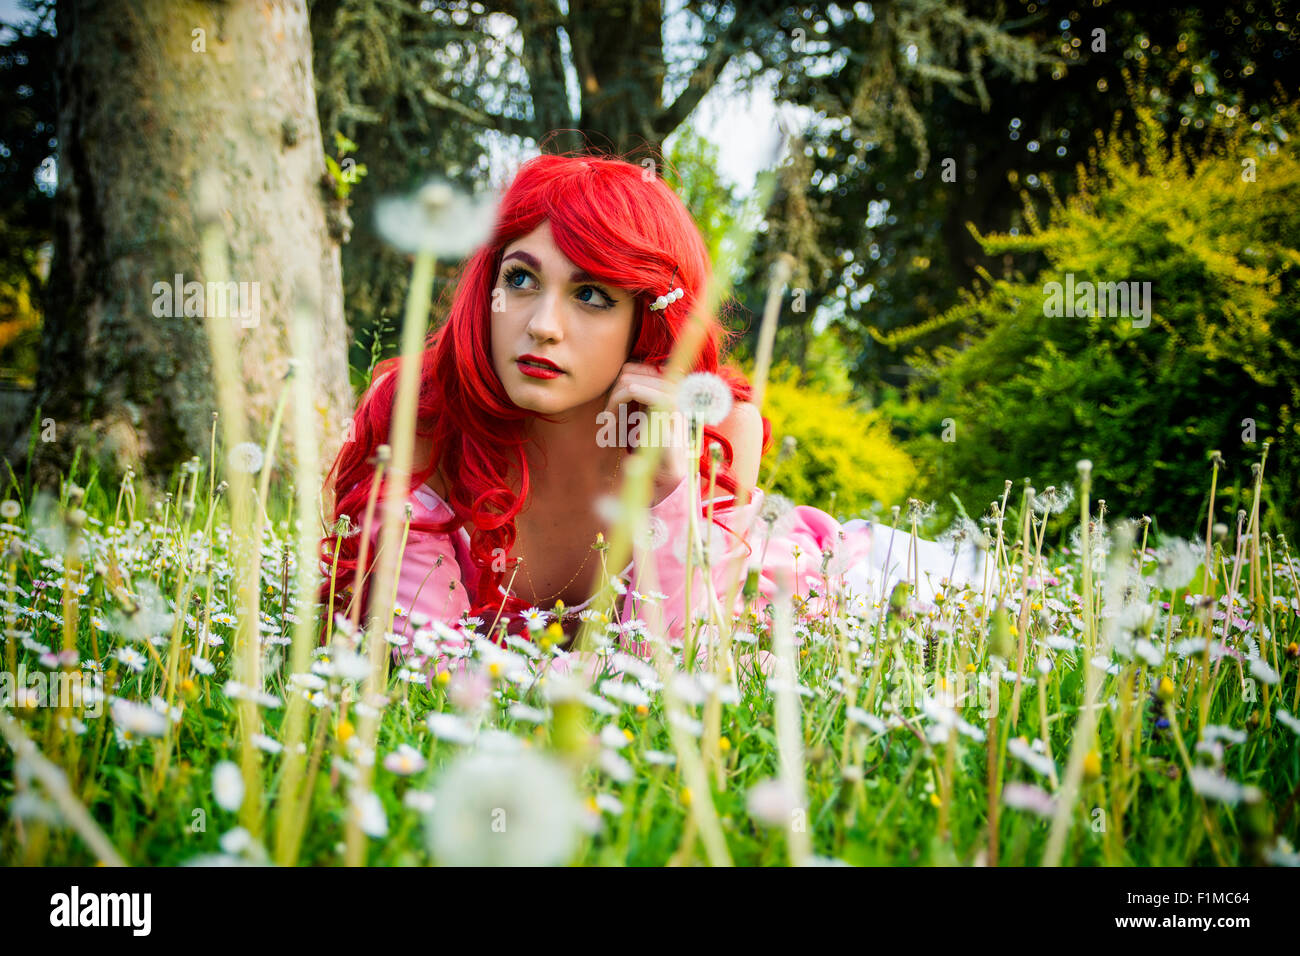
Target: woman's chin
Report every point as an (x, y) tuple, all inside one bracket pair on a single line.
[(534, 399)]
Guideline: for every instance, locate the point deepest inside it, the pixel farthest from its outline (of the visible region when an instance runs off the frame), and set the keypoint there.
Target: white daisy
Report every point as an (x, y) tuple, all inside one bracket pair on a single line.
[(1215, 786), (771, 803), (227, 786), (615, 765), (612, 736), (268, 744), (1286, 719), (131, 659), (1036, 761), (610, 804), (625, 692), (450, 727), (1024, 796), (525, 713), (405, 760), (1220, 732), (368, 811), (421, 801)]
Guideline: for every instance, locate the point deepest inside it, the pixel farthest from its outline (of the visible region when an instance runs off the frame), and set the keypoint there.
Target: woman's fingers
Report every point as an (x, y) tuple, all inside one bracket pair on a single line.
[(634, 388)]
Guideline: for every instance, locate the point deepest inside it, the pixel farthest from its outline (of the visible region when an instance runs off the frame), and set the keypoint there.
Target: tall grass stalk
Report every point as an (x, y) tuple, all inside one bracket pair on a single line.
[(1085, 729), (307, 486), (789, 730), (402, 441), (245, 520)]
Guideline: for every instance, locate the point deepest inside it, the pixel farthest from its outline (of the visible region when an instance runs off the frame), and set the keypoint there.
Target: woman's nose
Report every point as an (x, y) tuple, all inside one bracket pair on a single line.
[(547, 320)]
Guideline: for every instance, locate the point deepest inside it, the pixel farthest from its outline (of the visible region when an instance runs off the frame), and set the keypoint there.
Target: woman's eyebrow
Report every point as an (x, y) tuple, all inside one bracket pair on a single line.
[(531, 260)]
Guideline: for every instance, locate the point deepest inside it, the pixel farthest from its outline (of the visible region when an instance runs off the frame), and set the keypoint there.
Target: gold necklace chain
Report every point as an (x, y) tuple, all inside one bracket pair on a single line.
[(532, 587)]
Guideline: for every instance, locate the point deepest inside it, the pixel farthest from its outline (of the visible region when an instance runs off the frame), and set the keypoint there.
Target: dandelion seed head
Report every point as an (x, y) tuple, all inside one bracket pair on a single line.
[(705, 398), (246, 458), (505, 809), (438, 218)]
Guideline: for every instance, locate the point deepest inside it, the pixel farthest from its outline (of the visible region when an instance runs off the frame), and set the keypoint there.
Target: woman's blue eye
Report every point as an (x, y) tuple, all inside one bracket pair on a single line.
[(515, 272)]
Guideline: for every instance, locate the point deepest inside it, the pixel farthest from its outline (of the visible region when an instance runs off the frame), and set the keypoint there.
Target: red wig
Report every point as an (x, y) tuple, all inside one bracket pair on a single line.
[(611, 219)]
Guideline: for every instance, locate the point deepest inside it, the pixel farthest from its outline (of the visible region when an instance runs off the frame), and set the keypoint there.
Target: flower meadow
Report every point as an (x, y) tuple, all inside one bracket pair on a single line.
[(1103, 699)]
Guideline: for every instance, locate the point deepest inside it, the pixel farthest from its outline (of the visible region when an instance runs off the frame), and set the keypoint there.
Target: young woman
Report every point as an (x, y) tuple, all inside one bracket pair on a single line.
[(568, 313)]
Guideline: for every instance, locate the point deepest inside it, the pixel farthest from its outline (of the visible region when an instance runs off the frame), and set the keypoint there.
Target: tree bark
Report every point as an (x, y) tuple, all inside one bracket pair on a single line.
[(152, 95)]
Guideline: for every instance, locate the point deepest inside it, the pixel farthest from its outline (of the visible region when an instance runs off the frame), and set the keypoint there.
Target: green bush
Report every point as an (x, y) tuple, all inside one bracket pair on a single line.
[(1031, 393), (841, 450)]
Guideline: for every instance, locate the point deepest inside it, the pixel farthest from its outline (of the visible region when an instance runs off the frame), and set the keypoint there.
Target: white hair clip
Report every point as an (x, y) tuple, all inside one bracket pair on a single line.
[(665, 300)]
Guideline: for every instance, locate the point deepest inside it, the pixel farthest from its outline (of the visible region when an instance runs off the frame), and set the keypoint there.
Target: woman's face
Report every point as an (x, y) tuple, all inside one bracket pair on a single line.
[(544, 307)]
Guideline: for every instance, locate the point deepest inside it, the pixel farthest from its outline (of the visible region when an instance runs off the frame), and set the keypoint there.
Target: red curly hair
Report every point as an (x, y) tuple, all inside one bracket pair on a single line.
[(627, 229)]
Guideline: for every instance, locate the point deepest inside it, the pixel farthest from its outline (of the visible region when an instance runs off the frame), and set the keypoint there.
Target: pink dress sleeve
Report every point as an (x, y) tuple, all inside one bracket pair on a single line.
[(788, 555), (429, 580)]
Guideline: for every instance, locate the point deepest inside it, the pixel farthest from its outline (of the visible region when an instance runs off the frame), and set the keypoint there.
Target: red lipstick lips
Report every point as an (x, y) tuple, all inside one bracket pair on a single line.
[(535, 366)]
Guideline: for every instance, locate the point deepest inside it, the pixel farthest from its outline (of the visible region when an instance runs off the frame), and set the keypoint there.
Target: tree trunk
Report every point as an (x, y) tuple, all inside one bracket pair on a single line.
[(152, 95), (618, 52)]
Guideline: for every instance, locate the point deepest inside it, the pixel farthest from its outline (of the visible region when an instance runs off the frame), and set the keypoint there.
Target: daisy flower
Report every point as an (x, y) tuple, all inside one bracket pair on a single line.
[(610, 804), (771, 803), (450, 727), (405, 760), (131, 658), (1288, 720), (1024, 796), (527, 714), (421, 801), (1209, 783), (1031, 758), (227, 785), (268, 744), (614, 737), (136, 719), (368, 811)]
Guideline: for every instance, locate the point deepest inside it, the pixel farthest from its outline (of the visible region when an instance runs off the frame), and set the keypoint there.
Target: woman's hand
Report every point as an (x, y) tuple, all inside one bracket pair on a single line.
[(642, 387)]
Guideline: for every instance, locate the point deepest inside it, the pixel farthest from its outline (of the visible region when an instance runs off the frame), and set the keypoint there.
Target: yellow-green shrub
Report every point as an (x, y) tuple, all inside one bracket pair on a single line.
[(840, 448)]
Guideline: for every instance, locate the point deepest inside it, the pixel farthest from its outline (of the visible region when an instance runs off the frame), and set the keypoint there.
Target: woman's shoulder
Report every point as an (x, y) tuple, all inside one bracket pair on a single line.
[(436, 494)]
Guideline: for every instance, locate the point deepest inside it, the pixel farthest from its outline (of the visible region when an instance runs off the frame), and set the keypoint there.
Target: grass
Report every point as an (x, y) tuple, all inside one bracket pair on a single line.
[(902, 755)]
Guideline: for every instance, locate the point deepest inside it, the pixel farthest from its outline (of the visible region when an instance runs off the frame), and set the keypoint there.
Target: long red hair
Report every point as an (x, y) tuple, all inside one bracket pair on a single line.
[(613, 220)]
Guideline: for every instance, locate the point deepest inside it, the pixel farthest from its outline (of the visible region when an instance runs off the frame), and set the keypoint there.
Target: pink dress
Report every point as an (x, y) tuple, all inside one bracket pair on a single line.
[(804, 551)]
